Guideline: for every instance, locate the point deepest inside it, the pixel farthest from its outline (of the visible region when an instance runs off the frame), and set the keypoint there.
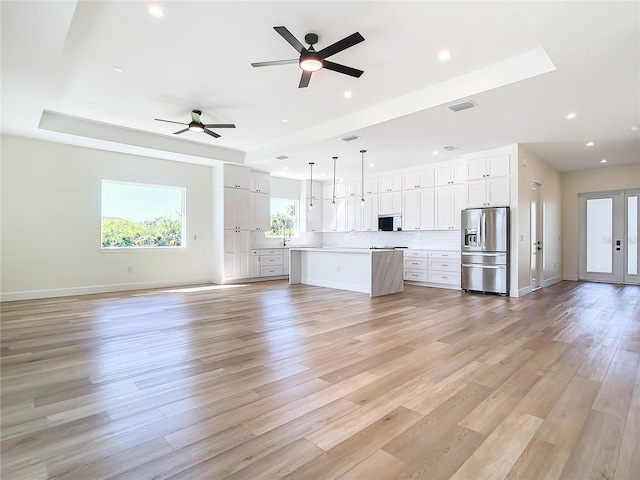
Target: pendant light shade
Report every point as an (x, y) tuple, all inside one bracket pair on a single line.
[(362, 200), (333, 201), (311, 187)]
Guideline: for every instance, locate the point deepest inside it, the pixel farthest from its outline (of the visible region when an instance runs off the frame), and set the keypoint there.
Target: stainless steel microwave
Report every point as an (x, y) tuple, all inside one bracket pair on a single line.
[(390, 223)]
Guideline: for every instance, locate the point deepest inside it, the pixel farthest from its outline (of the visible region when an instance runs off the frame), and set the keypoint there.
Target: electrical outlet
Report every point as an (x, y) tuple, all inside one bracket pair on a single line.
[(130, 269)]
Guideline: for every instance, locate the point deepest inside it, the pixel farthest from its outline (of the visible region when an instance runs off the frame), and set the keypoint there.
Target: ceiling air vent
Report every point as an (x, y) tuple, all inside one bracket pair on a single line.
[(461, 106), (450, 148), (282, 157), (349, 138)]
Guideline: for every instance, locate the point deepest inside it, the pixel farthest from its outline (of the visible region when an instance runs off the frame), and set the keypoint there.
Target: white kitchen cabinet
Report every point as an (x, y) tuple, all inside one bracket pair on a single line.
[(370, 213), (259, 211), (420, 179), (236, 177), (334, 219), (390, 183), (418, 210), (353, 189), (259, 182), (389, 203), (450, 175), (236, 254), (489, 192), (236, 208), (269, 262), (489, 167), (415, 265), (311, 220), (444, 268), (448, 205), (371, 185), (354, 212)]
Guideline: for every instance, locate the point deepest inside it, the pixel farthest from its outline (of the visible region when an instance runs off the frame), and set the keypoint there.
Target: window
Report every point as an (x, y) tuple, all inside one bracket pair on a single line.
[(139, 215), (284, 218)]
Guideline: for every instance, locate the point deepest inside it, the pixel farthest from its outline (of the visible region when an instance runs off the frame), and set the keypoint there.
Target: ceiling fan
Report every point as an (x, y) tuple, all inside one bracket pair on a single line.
[(197, 126), (311, 61)]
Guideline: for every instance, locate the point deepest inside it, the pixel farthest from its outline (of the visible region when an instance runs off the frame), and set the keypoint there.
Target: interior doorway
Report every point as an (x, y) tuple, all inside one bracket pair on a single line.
[(537, 264), (608, 250)]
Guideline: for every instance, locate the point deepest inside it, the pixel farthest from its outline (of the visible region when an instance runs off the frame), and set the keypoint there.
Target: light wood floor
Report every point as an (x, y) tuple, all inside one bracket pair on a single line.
[(269, 381)]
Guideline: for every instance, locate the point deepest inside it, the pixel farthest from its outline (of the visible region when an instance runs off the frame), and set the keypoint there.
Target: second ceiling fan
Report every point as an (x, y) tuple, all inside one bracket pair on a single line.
[(311, 60)]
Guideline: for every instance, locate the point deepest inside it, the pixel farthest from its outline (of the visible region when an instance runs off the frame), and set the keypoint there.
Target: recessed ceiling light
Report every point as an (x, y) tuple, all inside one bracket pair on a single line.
[(571, 116), (93, 104), (436, 152), (590, 144), (634, 128), (117, 69), (348, 94), (372, 165), (322, 174), (444, 55), (156, 11), (284, 120), (285, 168), (604, 160)]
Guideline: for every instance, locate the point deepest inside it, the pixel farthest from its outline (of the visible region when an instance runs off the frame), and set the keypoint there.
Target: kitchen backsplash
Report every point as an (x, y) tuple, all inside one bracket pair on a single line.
[(310, 239), (424, 240)]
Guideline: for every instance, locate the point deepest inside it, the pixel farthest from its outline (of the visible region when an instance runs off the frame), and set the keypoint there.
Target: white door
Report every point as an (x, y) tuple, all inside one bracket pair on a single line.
[(609, 236), (536, 237)]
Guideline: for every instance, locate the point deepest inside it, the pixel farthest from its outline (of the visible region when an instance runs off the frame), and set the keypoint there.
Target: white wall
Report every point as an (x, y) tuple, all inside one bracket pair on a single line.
[(532, 169), (582, 181), (50, 237)]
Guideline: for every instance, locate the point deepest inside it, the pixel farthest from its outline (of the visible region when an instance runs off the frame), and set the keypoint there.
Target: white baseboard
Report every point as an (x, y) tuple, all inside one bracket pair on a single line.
[(69, 292), (550, 281), (573, 278), (525, 291)]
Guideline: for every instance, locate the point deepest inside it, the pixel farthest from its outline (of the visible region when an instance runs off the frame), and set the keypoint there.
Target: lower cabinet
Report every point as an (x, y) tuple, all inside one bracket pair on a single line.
[(437, 268), (236, 253), (269, 262)]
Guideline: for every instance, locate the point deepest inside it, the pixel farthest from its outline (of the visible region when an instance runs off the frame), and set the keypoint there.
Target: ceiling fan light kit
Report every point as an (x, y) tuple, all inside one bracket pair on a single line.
[(311, 60)]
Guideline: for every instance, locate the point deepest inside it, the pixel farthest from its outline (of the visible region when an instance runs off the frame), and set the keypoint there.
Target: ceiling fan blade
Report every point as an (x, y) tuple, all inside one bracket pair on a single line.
[(213, 134), (304, 80), (220, 125), (275, 62), (341, 45), (181, 131), (195, 116), (293, 41), (171, 121), (336, 67)]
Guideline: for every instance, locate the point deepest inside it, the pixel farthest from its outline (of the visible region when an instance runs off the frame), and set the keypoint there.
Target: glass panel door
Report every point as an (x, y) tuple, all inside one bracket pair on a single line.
[(631, 265), (601, 236)]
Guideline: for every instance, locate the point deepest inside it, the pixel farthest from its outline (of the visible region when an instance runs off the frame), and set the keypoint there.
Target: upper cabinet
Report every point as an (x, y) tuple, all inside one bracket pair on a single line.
[(420, 179), (370, 185), (352, 189), (450, 175), (237, 209), (496, 166), (259, 182), (390, 183), (237, 177)]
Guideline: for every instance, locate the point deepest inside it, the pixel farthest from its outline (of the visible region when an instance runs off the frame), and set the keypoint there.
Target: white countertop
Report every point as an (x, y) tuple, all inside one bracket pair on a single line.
[(341, 250)]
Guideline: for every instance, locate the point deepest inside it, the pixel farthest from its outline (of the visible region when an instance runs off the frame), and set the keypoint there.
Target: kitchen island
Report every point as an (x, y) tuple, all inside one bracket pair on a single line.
[(376, 272)]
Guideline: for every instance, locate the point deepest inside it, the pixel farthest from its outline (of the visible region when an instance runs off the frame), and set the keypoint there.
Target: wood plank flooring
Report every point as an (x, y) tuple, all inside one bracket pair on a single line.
[(268, 381)]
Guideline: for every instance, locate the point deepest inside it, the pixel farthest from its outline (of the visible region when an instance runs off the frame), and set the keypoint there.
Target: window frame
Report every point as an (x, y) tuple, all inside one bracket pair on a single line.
[(183, 214), (296, 218)]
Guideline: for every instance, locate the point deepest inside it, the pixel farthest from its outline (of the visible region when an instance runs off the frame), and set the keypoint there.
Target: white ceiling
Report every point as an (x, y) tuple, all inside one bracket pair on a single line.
[(525, 65)]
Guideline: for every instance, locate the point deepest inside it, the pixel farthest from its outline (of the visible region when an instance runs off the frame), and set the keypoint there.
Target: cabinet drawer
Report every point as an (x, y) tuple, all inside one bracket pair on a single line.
[(416, 275), (444, 265), (415, 253), (415, 263), (268, 260), (445, 255), (266, 271), (271, 252), (449, 278)]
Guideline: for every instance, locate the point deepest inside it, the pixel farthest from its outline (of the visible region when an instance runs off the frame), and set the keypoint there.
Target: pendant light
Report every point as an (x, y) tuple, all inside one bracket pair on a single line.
[(362, 201), (333, 203), (311, 188)]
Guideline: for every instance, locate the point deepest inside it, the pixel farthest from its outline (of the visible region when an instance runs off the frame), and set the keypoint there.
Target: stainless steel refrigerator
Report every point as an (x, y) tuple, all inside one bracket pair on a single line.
[(485, 250)]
